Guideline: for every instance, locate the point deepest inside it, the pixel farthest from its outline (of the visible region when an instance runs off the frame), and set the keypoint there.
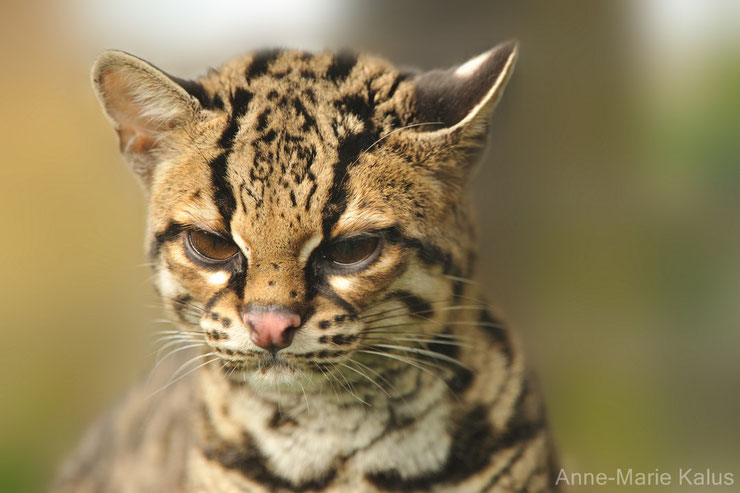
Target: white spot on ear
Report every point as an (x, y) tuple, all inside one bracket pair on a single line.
[(468, 68), (340, 283), (308, 248), (218, 278)]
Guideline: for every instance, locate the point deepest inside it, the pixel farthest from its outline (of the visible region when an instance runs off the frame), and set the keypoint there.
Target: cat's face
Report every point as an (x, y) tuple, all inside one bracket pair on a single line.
[(304, 207)]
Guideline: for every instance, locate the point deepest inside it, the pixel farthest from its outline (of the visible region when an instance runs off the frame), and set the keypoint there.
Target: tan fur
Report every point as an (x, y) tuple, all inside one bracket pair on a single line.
[(399, 378)]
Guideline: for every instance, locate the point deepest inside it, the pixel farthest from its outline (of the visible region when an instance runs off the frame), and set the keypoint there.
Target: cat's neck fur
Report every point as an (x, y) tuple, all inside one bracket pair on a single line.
[(299, 432), (308, 431)]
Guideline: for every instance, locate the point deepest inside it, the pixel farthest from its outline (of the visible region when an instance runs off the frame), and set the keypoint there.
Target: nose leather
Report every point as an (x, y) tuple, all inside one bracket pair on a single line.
[(271, 327)]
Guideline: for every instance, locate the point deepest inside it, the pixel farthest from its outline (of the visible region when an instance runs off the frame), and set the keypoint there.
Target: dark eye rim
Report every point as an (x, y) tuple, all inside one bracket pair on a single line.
[(337, 267), (195, 254)]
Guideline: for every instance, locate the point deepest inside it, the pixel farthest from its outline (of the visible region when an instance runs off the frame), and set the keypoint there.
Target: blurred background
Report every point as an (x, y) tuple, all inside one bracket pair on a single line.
[(609, 205)]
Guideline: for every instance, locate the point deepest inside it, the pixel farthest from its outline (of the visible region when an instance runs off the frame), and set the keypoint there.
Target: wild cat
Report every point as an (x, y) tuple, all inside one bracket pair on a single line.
[(310, 232)]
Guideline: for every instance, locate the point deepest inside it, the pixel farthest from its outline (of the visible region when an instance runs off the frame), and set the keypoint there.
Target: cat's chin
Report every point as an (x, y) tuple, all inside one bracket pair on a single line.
[(270, 372)]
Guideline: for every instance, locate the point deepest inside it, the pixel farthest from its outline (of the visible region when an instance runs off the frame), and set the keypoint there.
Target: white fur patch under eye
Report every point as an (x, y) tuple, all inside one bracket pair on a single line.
[(308, 248), (468, 68), (340, 283), (218, 278), (167, 284), (242, 244)]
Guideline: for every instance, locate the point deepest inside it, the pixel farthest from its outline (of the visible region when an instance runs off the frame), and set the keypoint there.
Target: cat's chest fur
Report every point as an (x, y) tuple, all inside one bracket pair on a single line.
[(306, 438)]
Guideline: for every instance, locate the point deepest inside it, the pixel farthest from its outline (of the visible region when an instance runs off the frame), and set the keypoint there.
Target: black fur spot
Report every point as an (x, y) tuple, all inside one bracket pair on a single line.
[(280, 419), (261, 63), (308, 121), (473, 444), (341, 65), (399, 78), (340, 339), (461, 380), (262, 120), (247, 459), (180, 304)]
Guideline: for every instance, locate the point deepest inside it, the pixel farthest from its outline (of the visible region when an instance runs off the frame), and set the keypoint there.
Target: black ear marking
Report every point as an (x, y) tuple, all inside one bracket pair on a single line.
[(458, 95)]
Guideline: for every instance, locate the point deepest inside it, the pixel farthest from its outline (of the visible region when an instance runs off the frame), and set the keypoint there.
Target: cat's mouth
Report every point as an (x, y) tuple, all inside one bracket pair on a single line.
[(274, 362), (266, 368)]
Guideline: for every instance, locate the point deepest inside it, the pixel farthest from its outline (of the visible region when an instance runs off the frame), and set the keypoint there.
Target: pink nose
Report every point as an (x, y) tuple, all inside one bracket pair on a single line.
[(272, 327)]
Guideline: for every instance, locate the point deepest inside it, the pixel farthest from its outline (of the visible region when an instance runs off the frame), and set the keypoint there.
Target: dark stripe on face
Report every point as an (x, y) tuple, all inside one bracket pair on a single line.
[(261, 63), (348, 153), (418, 306), (212, 302), (223, 196), (341, 302), (170, 233), (239, 105), (341, 65), (223, 193), (363, 106), (430, 254), (180, 305)]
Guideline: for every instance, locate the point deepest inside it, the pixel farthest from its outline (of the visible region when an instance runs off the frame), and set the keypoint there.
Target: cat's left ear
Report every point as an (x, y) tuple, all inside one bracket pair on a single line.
[(456, 104), (143, 104)]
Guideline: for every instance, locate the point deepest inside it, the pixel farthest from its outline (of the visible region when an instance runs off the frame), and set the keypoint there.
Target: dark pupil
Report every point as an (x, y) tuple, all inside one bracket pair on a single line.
[(212, 246), (352, 250)]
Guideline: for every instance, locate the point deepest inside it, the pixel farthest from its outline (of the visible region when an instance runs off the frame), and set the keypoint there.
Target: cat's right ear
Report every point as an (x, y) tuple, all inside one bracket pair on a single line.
[(143, 104)]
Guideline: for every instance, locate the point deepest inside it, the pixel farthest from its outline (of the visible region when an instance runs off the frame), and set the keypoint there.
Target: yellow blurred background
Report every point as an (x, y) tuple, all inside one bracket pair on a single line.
[(609, 205)]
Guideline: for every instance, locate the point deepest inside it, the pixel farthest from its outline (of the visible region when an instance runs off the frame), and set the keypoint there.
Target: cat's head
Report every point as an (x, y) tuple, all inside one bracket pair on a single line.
[(303, 207)]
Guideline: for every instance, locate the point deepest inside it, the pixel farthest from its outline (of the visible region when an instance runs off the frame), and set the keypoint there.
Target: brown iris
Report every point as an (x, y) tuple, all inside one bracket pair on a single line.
[(211, 247), (352, 250)]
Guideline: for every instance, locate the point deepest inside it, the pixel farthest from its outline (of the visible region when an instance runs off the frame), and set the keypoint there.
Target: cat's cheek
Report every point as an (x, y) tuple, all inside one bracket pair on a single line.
[(167, 285), (200, 283)]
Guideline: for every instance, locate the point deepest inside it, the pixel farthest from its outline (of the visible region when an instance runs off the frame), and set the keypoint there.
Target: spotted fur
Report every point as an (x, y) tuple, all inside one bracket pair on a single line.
[(399, 378)]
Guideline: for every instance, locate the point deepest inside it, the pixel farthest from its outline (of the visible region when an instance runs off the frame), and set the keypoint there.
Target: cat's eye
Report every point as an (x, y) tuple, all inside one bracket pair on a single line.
[(211, 247), (352, 251)]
